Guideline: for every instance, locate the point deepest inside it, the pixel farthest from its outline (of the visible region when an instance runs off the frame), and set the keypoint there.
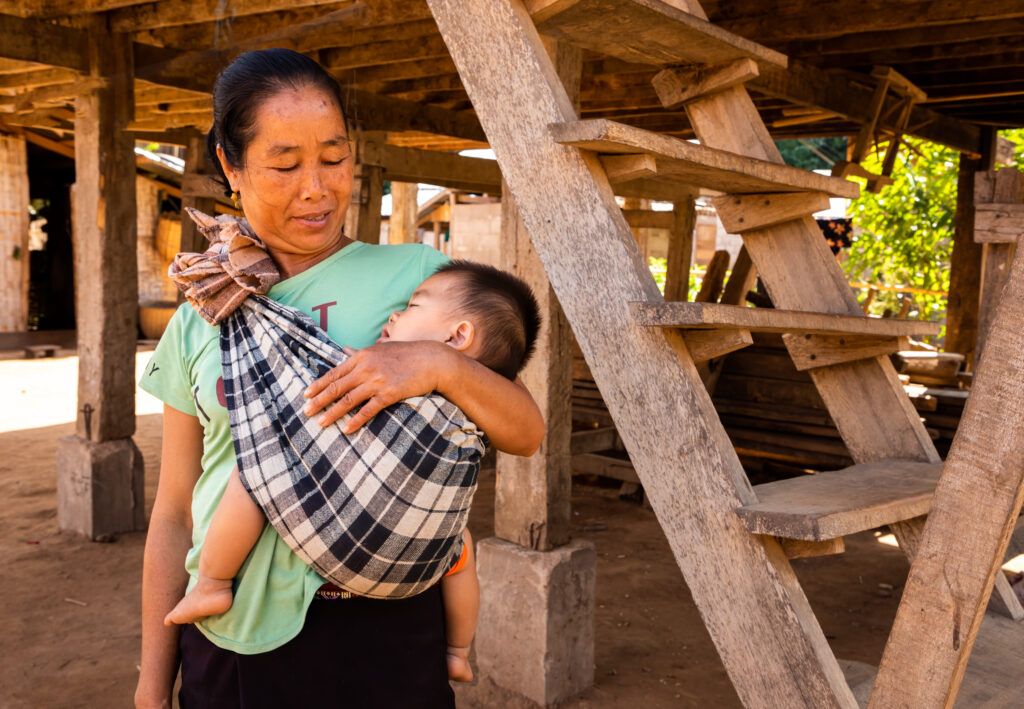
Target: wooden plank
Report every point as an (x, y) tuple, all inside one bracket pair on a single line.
[(800, 549), (975, 508), (676, 87), (696, 164), (625, 168), (740, 213), (1006, 186), (402, 223), (708, 344), (813, 351), (168, 13), (998, 223), (433, 167), (762, 617), (645, 31), (715, 315), (714, 278), (594, 440), (362, 222), (605, 466), (841, 502)]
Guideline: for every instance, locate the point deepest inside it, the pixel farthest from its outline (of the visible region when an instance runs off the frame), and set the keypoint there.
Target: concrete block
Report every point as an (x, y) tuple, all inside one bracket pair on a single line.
[(536, 634), (100, 486)]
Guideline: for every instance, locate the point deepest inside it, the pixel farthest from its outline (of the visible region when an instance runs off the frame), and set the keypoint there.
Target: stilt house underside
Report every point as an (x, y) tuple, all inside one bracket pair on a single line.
[(580, 100)]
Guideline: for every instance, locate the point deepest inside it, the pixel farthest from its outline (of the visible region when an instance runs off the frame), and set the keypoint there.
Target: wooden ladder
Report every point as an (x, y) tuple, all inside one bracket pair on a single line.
[(728, 538)]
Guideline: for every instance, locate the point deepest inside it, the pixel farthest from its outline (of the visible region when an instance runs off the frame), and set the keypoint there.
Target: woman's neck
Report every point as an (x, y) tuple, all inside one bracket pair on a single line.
[(291, 264)]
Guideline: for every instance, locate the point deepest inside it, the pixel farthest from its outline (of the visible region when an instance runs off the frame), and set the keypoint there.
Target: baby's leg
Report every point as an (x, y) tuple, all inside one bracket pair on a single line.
[(461, 593), (234, 530)]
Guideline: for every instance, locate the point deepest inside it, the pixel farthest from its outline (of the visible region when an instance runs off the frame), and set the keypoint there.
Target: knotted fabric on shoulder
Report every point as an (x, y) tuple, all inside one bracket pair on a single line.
[(234, 267), (379, 512)]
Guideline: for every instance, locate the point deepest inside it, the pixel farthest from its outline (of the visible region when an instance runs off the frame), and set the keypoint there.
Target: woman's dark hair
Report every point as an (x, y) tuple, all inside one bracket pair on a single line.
[(248, 81)]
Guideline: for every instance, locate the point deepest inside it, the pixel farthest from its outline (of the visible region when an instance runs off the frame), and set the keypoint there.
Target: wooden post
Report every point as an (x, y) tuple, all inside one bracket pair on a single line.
[(362, 222), (532, 498), (973, 514), (14, 196), (1006, 186), (100, 472), (402, 224), (196, 163), (680, 248), (965, 263)]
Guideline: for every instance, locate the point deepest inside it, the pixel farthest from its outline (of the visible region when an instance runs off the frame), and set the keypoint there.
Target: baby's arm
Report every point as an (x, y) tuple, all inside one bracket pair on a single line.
[(234, 530)]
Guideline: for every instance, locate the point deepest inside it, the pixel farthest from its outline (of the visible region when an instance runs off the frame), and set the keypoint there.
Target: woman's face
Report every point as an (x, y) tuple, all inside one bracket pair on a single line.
[(296, 177)]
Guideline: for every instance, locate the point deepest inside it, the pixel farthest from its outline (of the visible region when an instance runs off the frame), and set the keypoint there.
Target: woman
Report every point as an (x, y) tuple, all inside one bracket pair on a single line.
[(279, 137)]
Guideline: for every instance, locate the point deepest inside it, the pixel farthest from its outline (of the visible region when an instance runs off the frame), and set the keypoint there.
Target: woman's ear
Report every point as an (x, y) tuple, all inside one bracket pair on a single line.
[(230, 172), (463, 336)]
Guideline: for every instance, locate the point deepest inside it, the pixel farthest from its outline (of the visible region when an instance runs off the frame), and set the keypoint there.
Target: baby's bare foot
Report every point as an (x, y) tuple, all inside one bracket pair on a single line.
[(459, 669), (208, 597)]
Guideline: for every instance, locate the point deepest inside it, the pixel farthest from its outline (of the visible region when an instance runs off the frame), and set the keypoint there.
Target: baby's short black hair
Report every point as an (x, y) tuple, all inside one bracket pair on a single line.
[(505, 311)]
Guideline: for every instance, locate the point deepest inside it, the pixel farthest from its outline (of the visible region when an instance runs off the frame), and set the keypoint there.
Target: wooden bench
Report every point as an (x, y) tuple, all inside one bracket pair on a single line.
[(37, 351)]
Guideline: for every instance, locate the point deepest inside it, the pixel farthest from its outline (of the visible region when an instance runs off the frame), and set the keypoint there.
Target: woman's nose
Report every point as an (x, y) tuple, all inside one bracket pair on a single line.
[(313, 187)]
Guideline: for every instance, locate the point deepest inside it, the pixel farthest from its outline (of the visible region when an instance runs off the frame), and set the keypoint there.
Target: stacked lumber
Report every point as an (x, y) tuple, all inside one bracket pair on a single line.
[(773, 413)]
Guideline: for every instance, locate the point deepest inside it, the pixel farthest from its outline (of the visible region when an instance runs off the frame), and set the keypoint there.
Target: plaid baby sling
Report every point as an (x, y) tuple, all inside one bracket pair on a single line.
[(379, 512)]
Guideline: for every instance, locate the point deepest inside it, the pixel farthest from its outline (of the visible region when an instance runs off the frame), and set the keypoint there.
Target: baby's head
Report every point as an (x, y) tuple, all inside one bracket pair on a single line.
[(485, 313)]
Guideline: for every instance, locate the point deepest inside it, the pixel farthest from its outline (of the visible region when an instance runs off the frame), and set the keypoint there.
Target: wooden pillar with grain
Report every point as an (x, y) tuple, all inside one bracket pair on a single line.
[(532, 496), (363, 219), (965, 263), (14, 225), (196, 164), (680, 248), (99, 469), (402, 224)]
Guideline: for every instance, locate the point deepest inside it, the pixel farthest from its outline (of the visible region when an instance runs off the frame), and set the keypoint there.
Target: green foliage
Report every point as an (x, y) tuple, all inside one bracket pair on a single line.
[(904, 234), (1017, 136), (812, 153), (659, 268)]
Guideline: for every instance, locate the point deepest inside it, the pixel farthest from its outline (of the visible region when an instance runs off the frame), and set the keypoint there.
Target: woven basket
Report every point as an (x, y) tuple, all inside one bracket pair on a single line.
[(153, 318)]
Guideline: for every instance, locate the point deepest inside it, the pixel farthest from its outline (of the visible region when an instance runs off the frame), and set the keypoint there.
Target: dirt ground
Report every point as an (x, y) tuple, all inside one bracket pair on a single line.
[(69, 607)]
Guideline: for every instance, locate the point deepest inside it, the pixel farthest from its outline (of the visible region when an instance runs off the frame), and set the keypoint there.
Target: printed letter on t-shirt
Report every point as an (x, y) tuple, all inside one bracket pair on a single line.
[(323, 313)]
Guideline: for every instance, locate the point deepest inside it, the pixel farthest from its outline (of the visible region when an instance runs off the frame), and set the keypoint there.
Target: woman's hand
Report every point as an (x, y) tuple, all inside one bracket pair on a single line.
[(377, 377), (384, 374)]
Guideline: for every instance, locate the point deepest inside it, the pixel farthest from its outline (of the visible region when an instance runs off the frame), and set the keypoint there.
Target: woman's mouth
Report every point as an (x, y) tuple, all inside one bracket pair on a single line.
[(314, 220)]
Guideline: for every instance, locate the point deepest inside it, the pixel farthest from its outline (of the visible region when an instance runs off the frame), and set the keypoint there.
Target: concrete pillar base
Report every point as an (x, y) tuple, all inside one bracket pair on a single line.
[(100, 486), (536, 635)]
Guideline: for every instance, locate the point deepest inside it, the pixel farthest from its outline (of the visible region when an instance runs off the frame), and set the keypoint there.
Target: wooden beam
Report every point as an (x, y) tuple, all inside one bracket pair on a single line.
[(362, 222), (383, 52), (648, 219), (626, 168), (36, 78), (433, 167), (1005, 185), (402, 223), (714, 277), (181, 12), (33, 40), (715, 315), (742, 280), (973, 513), (839, 94)]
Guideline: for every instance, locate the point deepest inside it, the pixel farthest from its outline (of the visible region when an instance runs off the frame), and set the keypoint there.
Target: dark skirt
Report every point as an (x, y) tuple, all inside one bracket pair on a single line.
[(353, 653)]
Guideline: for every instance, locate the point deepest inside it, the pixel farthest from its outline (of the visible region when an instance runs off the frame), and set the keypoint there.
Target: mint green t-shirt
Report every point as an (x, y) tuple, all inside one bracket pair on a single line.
[(350, 294)]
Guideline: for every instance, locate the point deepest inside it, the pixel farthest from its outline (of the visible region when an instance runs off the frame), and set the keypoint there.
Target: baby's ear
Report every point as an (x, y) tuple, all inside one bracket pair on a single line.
[(463, 336)]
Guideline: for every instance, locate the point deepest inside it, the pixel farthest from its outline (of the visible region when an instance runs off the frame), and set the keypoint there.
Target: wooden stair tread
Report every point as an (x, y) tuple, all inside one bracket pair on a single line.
[(992, 679), (716, 315), (840, 502), (647, 32), (694, 164)]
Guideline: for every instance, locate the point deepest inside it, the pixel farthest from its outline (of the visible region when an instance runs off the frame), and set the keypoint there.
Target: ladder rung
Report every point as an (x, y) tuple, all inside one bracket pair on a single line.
[(712, 315), (693, 164), (840, 502), (646, 31)]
